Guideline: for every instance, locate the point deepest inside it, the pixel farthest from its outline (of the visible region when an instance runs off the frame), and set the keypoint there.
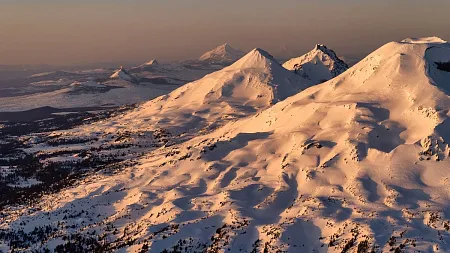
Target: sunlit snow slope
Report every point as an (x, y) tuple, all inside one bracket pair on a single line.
[(355, 164)]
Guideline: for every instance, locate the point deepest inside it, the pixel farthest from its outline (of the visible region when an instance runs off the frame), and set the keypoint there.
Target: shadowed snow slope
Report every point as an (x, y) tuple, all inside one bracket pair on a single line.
[(355, 164), (319, 65), (223, 54)]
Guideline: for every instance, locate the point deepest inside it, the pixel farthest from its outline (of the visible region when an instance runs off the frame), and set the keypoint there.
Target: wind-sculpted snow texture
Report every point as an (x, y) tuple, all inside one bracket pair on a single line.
[(356, 164)]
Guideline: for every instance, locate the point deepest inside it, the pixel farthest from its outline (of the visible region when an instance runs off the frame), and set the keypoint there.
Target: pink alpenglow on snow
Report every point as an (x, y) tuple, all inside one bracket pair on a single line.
[(256, 158)]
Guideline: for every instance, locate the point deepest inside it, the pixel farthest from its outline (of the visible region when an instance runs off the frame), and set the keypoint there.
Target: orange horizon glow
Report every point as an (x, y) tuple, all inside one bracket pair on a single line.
[(74, 32)]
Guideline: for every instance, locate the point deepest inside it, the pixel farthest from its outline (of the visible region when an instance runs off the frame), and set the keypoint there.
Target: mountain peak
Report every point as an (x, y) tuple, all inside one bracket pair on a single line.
[(259, 53), (318, 65), (257, 58), (324, 49), (224, 45), (262, 52), (223, 54), (321, 47), (151, 63), (123, 74)]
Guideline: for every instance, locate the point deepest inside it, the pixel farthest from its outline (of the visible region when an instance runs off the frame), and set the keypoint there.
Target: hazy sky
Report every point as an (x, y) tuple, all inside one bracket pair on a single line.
[(64, 32)]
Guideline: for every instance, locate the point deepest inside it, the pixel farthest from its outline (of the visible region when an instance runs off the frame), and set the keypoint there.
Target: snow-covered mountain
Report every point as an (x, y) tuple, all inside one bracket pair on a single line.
[(319, 65), (152, 63), (356, 164), (222, 55), (251, 84), (122, 74)]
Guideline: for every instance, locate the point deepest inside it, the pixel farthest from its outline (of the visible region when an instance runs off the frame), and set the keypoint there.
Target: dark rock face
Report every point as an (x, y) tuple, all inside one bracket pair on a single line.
[(339, 65)]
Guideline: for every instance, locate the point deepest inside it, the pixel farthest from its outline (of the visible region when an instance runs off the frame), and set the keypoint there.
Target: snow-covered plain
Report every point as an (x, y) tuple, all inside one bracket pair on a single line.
[(238, 162)]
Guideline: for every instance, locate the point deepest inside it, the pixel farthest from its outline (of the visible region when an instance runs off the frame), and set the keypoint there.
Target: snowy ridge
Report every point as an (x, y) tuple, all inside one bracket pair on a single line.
[(319, 65), (356, 164), (223, 54)]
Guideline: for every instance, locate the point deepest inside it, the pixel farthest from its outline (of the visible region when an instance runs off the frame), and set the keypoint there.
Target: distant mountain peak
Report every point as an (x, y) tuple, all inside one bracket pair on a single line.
[(324, 49), (122, 74), (224, 45), (321, 47), (151, 63), (223, 54), (262, 52), (320, 64)]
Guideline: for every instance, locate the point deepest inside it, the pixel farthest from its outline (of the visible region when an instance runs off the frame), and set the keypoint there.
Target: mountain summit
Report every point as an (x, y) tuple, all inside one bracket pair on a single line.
[(122, 74), (319, 65), (222, 55), (151, 63), (257, 58)]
